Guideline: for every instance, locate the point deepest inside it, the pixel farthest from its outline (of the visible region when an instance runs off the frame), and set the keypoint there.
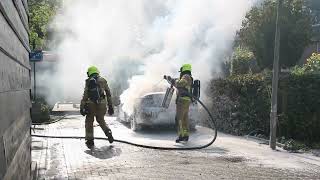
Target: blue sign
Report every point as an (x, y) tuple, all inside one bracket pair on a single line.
[(36, 56)]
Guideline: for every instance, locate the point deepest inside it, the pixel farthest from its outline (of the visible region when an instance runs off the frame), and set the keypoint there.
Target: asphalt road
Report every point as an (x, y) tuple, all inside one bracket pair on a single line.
[(229, 158)]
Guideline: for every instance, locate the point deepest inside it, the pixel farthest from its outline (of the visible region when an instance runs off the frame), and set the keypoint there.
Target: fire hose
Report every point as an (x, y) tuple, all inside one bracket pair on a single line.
[(212, 123)]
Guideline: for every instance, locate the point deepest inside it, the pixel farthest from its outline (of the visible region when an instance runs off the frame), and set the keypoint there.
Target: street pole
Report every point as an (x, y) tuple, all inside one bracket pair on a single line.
[(34, 82), (34, 73), (275, 79)]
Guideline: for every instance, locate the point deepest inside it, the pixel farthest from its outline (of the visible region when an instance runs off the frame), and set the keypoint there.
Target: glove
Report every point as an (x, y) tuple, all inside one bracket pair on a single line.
[(83, 111), (110, 110), (170, 79), (167, 77)]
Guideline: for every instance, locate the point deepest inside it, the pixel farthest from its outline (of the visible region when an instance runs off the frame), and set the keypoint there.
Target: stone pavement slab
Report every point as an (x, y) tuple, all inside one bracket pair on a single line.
[(228, 158)]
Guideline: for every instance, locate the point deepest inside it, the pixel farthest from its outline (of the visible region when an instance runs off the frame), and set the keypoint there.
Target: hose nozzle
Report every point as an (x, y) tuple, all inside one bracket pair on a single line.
[(169, 79)]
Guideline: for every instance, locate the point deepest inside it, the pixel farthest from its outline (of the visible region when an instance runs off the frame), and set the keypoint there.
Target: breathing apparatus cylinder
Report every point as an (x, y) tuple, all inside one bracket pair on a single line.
[(196, 89)]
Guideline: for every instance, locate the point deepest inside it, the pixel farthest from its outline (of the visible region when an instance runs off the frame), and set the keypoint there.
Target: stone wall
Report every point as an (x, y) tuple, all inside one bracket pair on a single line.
[(15, 155)]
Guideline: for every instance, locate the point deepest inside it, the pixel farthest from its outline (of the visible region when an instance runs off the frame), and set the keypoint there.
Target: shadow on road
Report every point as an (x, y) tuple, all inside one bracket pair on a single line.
[(104, 152)]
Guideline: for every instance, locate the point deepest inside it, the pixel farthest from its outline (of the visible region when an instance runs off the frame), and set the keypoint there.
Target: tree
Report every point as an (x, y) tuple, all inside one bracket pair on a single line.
[(258, 31), (41, 13)]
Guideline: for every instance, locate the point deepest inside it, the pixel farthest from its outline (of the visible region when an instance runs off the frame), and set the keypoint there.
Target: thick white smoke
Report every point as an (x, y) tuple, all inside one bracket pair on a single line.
[(138, 41)]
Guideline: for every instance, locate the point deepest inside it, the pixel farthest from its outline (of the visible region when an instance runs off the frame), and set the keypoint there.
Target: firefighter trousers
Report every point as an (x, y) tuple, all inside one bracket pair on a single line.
[(182, 110), (97, 111)]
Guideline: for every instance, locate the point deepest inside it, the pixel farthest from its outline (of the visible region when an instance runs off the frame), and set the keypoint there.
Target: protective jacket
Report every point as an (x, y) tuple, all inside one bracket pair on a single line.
[(184, 85), (105, 94)]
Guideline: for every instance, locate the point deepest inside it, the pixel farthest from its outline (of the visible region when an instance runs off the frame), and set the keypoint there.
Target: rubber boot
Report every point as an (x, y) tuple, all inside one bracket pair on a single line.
[(109, 135), (180, 138), (90, 143)]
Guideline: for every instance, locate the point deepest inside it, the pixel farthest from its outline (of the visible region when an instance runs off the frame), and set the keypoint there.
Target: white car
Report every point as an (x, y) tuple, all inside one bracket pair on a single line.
[(149, 112)]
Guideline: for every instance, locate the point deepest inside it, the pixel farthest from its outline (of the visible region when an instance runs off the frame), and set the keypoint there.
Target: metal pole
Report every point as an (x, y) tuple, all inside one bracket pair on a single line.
[(34, 82), (34, 72), (275, 79)]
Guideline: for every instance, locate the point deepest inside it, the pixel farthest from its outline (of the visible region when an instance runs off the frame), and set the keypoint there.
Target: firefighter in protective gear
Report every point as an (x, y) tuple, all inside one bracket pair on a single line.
[(184, 88), (94, 102)]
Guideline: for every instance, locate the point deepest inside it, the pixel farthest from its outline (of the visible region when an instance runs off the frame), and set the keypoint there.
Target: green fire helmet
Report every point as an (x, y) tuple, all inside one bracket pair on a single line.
[(92, 70), (185, 67)]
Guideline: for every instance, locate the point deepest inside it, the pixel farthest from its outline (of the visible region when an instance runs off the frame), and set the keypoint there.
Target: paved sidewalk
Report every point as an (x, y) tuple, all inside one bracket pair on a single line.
[(229, 158)]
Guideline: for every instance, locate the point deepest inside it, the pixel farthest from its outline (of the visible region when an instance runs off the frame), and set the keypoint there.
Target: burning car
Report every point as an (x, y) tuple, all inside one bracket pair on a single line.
[(149, 112)]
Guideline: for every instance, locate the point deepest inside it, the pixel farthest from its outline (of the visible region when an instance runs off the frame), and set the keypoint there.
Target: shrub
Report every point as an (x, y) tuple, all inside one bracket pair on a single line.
[(294, 146), (300, 113), (40, 111), (241, 104)]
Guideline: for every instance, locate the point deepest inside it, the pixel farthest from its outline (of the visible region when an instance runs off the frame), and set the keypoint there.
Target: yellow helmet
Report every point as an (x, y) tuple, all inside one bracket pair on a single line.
[(92, 70), (185, 67)]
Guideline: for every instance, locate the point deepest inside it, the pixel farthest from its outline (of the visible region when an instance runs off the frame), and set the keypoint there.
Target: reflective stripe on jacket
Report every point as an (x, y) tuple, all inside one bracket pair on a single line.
[(184, 85)]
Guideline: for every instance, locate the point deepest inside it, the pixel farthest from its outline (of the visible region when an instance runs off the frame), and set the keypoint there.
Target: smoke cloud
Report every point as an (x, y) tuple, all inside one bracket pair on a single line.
[(134, 43)]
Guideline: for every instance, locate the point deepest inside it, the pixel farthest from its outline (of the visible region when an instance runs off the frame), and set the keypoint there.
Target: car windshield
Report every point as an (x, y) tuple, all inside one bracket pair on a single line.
[(153, 100)]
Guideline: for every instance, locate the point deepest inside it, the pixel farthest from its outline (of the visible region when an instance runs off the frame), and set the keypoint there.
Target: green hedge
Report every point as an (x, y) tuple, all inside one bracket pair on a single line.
[(40, 111), (300, 107), (241, 104)]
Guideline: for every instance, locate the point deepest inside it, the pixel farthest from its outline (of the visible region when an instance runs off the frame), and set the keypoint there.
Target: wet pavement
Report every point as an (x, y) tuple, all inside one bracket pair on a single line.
[(228, 158)]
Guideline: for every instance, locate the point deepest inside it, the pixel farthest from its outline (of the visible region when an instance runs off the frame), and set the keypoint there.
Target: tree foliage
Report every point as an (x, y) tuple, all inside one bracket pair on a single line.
[(313, 63), (258, 31), (312, 66), (243, 62), (41, 13)]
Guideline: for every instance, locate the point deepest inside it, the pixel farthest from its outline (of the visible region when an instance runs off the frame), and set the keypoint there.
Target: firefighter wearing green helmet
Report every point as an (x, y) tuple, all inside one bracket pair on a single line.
[(183, 101), (96, 97)]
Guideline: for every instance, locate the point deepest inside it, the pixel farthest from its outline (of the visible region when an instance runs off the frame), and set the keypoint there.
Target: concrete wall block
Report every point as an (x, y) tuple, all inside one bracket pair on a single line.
[(15, 105), (13, 137), (25, 4), (22, 13), (20, 167), (13, 76), (14, 123), (10, 43), (11, 12), (3, 165)]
